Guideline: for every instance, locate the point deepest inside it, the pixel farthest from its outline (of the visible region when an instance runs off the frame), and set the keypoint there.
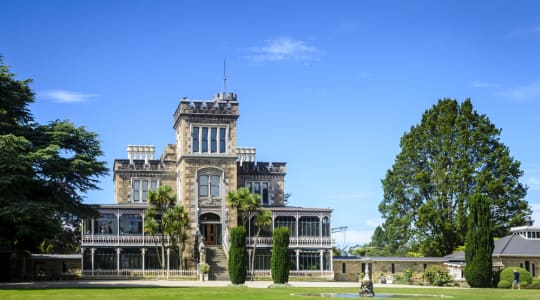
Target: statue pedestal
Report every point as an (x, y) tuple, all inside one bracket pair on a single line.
[(366, 289)]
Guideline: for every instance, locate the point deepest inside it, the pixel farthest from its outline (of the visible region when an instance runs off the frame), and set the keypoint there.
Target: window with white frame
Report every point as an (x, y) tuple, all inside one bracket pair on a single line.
[(260, 188), (209, 185), (140, 188), (209, 139)]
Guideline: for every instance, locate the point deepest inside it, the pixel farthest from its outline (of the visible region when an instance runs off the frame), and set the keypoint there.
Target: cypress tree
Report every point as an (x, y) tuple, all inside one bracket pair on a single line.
[(238, 256), (479, 246), (280, 260)]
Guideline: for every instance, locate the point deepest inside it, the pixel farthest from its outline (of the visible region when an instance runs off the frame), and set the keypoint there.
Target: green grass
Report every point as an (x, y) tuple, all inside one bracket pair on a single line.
[(233, 293)]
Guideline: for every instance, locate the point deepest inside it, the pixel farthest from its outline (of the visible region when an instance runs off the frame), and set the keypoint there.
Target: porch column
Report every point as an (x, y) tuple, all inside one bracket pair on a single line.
[(118, 250), (143, 252), (297, 259), (321, 259), (82, 261), (330, 257), (250, 252), (168, 261), (93, 251), (320, 229), (297, 233)]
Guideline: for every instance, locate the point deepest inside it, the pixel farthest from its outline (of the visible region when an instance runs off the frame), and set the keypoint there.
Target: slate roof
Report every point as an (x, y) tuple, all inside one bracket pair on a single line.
[(389, 259), (516, 245), (512, 245)]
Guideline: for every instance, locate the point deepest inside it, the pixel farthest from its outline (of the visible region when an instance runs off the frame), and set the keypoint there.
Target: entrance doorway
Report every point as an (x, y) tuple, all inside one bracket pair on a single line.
[(210, 228), (210, 234)]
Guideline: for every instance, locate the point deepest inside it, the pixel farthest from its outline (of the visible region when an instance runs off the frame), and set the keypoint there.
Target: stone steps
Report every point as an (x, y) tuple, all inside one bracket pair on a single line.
[(216, 259)]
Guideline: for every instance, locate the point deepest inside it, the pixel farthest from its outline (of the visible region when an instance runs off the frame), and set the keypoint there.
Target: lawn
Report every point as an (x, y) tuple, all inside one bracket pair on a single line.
[(244, 293)]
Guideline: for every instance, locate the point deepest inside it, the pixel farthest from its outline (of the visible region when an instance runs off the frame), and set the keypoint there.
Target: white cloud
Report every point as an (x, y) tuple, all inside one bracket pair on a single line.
[(284, 48), (63, 96), (482, 84), (374, 223), (534, 183), (524, 93), (535, 213)]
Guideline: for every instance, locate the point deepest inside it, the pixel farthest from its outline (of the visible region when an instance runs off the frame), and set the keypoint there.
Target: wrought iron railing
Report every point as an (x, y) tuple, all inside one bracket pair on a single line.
[(139, 273), (297, 242), (123, 240)]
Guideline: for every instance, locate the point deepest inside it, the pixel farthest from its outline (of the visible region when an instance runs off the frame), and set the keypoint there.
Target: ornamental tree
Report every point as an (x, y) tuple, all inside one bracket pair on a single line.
[(44, 169), (451, 155)]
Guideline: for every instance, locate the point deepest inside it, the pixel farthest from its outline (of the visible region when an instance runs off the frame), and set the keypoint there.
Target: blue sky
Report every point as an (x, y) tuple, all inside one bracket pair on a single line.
[(327, 86)]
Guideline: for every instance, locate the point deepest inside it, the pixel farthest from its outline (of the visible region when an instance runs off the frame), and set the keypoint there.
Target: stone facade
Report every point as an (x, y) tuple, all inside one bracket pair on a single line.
[(202, 167), (351, 268)]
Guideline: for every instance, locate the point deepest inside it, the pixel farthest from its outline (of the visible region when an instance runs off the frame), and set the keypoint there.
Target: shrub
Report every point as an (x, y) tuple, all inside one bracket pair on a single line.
[(535, 281), (508, 275), (280, 260), (407, 275), (237, 256), (504, 284), (436, 275)]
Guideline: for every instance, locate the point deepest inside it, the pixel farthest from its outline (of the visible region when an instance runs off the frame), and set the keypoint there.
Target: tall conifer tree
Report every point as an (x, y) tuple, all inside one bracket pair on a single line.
[(479, 246), (451, 155)]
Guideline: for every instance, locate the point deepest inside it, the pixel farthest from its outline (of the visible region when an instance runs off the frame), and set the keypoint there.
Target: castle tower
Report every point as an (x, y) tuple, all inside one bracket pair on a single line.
[(206, 165)]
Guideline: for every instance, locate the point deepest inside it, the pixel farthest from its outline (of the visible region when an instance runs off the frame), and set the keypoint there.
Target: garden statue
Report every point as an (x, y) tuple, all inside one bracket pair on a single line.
[(366, 288)]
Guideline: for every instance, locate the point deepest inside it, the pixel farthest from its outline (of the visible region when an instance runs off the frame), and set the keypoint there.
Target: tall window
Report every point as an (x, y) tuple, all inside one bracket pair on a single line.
[(209, 139), (131, 224), (286, 221), (309, 226), (106, 224), (326, 226), (204, 138), (195, 137), (208, 186), (261, 188), (140, 188)]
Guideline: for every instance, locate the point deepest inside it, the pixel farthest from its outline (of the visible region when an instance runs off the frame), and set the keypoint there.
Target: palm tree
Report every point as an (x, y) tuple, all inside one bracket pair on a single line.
[(176, 227), (263, 221), (245, 202), (158, 202)]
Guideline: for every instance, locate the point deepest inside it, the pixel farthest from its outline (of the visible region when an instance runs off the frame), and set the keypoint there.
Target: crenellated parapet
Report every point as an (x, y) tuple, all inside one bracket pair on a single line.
[(261, 168), (224, 105)]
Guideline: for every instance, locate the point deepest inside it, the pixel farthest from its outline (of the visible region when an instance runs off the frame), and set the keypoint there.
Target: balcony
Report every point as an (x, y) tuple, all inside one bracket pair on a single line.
[(121, 240), (297, 242)]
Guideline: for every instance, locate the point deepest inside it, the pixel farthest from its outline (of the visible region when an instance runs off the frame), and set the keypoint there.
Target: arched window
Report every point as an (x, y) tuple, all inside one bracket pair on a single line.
[(326, 226), (131, 224), (309, 226), (106, 224), (286, 221)]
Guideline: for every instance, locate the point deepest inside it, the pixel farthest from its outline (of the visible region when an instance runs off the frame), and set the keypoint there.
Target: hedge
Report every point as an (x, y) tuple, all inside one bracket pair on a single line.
[(280, 260), (238, 256)]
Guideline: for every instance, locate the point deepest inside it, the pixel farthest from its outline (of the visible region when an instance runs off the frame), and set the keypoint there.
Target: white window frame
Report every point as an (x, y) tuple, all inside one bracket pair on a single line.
[(140, 192), (218, 139), (209, 185), (250, 185)]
